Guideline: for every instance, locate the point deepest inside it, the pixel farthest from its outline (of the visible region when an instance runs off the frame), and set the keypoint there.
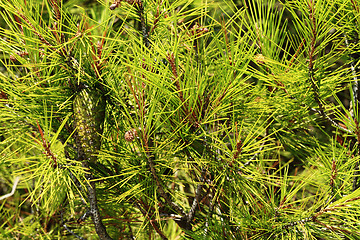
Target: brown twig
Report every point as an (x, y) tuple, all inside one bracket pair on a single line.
[(355, 6), (159, 184), (18, 24), (56, 8), (332, 228), (42, 39), (46, 146), (157, 17), (296, 54), (225, 32), (153, 222), (333, 176), (189, 115)]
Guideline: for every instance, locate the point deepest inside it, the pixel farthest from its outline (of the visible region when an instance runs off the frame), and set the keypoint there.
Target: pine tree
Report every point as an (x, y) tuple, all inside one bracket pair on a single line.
[(155, 119)]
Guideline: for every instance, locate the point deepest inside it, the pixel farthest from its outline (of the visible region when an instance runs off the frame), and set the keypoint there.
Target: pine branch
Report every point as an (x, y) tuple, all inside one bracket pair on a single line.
[(190, 216), (94, 209), (152, 221), (158, 182)]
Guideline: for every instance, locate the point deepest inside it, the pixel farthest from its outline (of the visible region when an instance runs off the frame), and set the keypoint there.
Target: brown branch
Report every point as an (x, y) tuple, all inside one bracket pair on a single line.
[(356, 7), (18, 24), (335, 208), (188, 115), (46, 146), (94, 209), (291, 224), (314, 34), (159, 184), (332, 228), (55, 5), (225, 32), (314, 87), (153, 222), (157, 17), (151, 161), (333, 123), (239, 146), (296, 54), (130, 84), (42, 39), (333, 175)]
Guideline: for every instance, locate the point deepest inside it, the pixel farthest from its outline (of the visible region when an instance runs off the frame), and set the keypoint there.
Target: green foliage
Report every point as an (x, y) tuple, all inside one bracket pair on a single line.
[(201, 120)]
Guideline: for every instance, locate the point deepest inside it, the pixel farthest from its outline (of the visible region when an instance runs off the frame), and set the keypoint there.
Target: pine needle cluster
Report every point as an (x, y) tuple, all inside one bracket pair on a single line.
[(159, 119)]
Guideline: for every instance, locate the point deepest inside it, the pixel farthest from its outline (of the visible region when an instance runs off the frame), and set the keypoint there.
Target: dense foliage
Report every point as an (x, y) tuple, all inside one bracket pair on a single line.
[(159, 119)]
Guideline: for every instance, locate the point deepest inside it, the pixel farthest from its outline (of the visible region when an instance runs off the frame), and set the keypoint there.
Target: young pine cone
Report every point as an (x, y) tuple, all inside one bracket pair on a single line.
[(89, 112)]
